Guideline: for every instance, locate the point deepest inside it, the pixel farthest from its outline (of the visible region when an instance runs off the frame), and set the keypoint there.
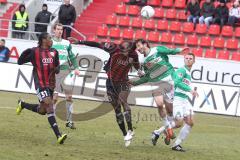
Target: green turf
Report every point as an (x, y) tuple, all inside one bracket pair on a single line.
[(28, 136)]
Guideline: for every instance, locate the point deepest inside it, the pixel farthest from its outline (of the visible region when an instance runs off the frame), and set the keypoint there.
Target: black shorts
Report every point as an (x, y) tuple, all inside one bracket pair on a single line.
[(42, 93), (114, 88)]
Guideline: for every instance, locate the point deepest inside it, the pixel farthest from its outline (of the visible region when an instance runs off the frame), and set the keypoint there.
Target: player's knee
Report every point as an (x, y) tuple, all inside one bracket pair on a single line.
[(178, 122), (127, 115), (69, 98), (50, 110), (189, 122), (42, 110)]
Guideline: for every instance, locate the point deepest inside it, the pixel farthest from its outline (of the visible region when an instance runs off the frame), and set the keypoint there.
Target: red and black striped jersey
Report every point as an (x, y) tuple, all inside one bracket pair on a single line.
[(120, 65), (45, 65)]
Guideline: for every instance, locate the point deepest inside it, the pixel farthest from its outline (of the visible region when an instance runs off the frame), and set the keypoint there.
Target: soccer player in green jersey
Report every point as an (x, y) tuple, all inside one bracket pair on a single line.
[(66, 56), (182, 108), (158, 72)]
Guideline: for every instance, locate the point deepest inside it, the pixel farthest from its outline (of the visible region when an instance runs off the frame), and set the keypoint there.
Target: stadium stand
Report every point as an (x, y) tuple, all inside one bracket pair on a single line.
[(170, 27)]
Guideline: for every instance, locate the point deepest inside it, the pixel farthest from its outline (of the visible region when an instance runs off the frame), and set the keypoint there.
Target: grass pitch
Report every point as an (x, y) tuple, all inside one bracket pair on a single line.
[(28, 136)]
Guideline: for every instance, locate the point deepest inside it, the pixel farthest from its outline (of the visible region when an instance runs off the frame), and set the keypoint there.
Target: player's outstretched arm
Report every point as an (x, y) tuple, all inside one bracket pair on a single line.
[(143, 79), (25, 57), (168, 51)]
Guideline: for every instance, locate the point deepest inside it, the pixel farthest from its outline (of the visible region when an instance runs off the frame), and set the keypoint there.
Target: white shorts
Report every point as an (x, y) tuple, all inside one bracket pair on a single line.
[(165, 87), (182, 108)]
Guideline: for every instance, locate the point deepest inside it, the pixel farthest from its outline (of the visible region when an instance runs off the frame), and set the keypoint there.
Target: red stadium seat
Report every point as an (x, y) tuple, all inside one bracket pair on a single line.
[(175, 26), (237, 32), (106, 40), (201, 3), (192, 40), (227, 31), (218, 42), (127, 34), (114, 33), (214, 30), (216, 3), (153, 36), (171, 14), (210, 53), (137, 22), (236, 56), (167, 3), (159, 13), (92, 39), (179, 39), (149, 24), (205, 41), (3, 1), (124, 21), (180, 4), (166, 37), (162, 25), (121, 9), (201, 29), (182, 16), (188, 27), (198, 52), (223, 55), (229, 5), (232, 44), (111, 20), (133, 10), (140, 34), (154, 2), (102, 31)]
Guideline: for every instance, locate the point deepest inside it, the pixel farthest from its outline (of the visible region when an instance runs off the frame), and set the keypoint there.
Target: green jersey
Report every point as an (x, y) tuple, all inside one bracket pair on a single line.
[(182, 82), (156, 65), (64, 49)]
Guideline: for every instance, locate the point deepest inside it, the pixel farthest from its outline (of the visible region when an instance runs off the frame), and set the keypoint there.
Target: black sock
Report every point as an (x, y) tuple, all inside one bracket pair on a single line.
[(121, 124), (31, 107), (128, 118), (53, 123)]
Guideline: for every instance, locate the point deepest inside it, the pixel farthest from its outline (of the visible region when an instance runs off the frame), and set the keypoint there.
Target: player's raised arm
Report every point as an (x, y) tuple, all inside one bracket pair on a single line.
[(178, 80), (91, 44), (140, 81), (168, 51), (25, 57)]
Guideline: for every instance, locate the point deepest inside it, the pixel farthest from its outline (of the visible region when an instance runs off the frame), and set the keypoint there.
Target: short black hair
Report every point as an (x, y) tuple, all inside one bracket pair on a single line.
[(41, 37), (3, 40), (143, 42), (127, 46), (191, 54)]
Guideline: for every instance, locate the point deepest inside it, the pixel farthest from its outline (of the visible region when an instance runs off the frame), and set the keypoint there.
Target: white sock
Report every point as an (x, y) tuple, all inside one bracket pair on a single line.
[(165, 122), (160, 130), (170, 118), (54, 107), (69, 107), (184, 132), (173, 124)]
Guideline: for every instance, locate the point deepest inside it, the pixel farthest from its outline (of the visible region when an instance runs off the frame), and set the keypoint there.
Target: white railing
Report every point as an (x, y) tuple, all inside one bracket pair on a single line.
[(31, 34)]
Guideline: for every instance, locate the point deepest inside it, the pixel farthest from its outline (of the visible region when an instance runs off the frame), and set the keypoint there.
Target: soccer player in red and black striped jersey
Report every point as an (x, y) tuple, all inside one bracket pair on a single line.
[(122, 58), (45, 63)]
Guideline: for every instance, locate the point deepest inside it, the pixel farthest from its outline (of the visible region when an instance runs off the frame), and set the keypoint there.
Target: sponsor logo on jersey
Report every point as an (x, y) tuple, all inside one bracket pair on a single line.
[(122, 62), (52, 54), (47, 60)]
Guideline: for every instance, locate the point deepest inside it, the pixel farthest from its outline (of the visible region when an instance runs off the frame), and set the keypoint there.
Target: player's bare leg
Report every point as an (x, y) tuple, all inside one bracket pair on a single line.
[(123, 96), (69, 108), (184, 132), (45, 107)]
